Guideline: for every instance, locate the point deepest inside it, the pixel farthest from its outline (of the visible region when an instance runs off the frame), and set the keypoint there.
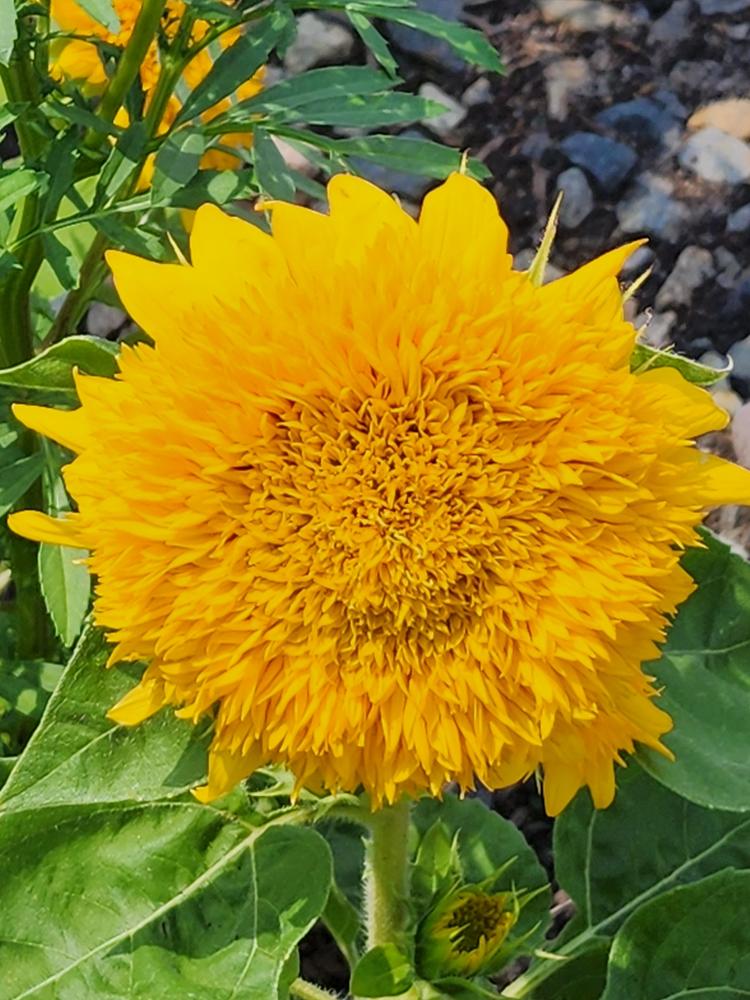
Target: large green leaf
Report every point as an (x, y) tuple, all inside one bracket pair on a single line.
[(17, 477), (8, 30), (613, 860), (70, 759), (690, 944), (484, 843), (66, 586), (51, 372), (139, 891), (25, 687), (166, 899), (705, 674), (384, 971)]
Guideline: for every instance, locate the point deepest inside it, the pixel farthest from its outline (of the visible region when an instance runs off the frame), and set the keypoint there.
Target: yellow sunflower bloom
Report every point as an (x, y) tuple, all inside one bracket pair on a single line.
[(394, 513), (78, 60)]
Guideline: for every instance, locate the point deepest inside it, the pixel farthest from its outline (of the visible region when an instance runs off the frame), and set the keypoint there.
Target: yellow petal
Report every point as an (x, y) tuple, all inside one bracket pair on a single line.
[(561, 782), (141, 703), (362, 209), (67, 427), (461, 229), (686, 406), (163, 299), (720, 481), (79, 61), (41, 528), (221, 244), (225, 771)]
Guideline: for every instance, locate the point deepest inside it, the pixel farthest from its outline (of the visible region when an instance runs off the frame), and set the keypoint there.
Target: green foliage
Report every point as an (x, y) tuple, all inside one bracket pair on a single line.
[(50, 373), (383, 971), (66, 586), (645, 357), (692, 942), (141, 891), (706, 681)]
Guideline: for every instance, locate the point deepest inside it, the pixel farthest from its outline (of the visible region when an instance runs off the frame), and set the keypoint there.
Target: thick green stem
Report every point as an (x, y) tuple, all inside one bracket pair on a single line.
[(128, 65), (387, 876)]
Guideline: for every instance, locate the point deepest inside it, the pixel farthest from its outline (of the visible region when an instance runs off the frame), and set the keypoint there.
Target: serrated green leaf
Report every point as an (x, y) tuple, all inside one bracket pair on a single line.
[(17, 184), (383, 971), (374, 41), (706, 684), (611, 861), (51, 372), (168, 899), (369, 111), (176, 163), (692, 943), (271, 171), (469, 43), (103, 12), (66, 587), (125, 158), (312, 87), (68, 761), (644, 357), (414, 156), (8, 30), (236, 65), (16, 478), (61, 260)]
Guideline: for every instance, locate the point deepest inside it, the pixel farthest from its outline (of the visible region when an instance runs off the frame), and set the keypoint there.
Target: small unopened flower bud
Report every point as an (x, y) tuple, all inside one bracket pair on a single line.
[(466, 932)]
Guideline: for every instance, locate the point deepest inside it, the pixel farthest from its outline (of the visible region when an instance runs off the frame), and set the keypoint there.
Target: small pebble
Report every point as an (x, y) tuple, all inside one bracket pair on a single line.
[(445, 123), (739, 221), (578, 201), (608, 162), (477, 93), (318, 42), (692, 268), (716, 156)]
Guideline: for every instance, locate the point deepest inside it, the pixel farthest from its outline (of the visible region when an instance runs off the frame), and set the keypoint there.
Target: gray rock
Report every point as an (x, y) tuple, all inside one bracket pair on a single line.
[(535, 145), (711, 7), (673, 26), (451, 118), (423, 46), (659, 328), (740, 355), (608, 162), (648, 207), (103, 320), (671, 103), (703, 76), (693, 268), (716, 156), (563, 79), (578, 201), (477, 93), (637, 263), (738, 32), (739, 221), (318, 42), (727, 267), (584, 15), (641, 119)]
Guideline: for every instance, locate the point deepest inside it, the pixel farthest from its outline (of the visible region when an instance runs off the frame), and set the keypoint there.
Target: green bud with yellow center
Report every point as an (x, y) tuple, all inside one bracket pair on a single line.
[(466, 932)]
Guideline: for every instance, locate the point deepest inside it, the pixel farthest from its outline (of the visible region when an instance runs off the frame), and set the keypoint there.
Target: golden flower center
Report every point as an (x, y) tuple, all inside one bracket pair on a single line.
[(386, 515), (479, 917)]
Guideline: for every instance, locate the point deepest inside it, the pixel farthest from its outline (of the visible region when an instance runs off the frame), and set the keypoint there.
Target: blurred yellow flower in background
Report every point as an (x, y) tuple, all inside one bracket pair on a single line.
[(394, 513), (79, 60)]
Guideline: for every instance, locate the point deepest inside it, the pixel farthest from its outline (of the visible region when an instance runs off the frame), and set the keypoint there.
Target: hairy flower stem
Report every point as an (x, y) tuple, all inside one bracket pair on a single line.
[(387, 878)]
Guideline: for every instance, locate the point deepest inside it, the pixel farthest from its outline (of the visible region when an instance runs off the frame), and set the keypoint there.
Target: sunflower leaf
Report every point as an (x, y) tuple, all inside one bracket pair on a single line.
[(693, 941), (8, 30), (384, 971), (103, 12), (645, 357), (706, 684), (66, 587), (51, 372)]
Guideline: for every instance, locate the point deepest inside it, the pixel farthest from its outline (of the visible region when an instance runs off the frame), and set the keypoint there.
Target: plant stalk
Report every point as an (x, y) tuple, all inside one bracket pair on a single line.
[(128, 66), (387, 879)]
